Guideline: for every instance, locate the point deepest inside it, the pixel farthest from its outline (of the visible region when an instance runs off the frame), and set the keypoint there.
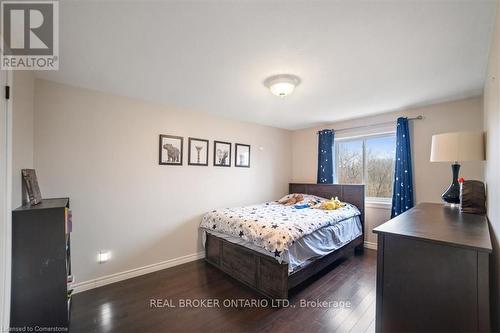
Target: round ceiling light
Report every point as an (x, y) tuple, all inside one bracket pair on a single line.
[(282, 85)]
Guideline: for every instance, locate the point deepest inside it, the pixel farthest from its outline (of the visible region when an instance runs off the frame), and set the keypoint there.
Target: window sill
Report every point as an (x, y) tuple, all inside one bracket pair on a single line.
[(379, 204)]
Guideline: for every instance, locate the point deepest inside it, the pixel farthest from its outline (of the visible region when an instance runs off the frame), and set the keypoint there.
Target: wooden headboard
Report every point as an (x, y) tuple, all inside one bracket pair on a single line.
[(353, 194)]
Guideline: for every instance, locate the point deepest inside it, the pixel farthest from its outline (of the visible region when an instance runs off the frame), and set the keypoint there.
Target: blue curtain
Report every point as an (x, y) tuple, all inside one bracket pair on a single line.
[(325, 156), (402, 194)]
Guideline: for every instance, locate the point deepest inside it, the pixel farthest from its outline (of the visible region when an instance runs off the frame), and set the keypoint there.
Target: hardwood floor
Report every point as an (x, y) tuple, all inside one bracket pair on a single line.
[(126, 306)]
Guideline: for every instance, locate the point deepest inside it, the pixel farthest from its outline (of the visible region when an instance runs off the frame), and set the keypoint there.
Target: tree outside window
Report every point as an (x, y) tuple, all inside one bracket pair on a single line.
[(367, 160)]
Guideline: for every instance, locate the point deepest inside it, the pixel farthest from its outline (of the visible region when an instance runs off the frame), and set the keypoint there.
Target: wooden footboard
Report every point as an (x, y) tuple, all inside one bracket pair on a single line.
[(266, 275), (256, 270), (263, 273)]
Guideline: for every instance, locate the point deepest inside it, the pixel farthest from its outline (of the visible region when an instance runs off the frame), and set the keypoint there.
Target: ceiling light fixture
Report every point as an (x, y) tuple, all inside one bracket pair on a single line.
[(282, 85)]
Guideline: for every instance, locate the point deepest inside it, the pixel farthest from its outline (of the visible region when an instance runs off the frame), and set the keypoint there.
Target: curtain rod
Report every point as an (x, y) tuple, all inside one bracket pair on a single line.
[(364, 126)]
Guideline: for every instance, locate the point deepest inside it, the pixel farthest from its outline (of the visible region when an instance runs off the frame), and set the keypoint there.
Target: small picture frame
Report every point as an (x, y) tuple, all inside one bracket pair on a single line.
[(241, 155), (171, 149), (222, 153), (197, 152), (30, 189)]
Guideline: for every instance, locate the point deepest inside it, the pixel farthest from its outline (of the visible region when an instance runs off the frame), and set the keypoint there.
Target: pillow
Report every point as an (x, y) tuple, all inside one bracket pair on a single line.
[(309, 197), (292, 199)]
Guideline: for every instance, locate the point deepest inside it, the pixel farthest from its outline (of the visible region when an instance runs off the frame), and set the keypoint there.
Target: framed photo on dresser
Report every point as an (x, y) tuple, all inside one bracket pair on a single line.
[(171, 147), (241, 155), (30, 189), (197, 151), (222, 154)]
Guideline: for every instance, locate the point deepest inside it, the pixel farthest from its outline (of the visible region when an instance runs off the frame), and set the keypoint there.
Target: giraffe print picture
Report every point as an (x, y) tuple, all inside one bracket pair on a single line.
[(197, 151), (171, 149)]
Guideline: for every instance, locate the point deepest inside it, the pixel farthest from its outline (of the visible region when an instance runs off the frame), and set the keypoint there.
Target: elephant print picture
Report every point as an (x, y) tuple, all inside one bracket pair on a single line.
[(222, 153), (171, 150)]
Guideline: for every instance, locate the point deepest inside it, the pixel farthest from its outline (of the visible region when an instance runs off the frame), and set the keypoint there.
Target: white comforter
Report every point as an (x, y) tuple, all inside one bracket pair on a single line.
[(272, 226)]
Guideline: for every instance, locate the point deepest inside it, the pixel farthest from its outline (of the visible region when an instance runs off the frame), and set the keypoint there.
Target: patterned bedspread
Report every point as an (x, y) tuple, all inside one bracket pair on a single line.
[(272, 226)]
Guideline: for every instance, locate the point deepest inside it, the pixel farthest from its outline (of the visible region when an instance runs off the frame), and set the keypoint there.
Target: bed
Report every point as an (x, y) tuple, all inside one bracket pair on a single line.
[(296, 257)]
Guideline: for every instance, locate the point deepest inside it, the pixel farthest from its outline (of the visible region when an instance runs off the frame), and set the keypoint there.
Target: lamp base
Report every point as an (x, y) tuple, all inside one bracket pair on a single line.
[(452, 194)]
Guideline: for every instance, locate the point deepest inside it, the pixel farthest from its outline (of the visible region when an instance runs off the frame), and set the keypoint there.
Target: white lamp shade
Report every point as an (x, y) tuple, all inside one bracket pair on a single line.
[(457, 146)]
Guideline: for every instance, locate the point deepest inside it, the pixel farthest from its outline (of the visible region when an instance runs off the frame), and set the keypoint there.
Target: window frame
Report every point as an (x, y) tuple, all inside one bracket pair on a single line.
[(364, 138)]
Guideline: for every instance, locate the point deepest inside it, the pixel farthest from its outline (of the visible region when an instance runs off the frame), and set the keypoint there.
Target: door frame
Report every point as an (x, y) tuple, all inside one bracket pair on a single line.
[(6, 78)]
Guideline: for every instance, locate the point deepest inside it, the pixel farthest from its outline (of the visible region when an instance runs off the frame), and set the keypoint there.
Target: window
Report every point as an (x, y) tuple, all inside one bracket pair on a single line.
[(367, 160)]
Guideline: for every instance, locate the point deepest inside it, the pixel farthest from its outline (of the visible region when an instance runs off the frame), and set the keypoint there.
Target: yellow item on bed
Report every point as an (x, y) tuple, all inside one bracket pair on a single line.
[(332, 204)]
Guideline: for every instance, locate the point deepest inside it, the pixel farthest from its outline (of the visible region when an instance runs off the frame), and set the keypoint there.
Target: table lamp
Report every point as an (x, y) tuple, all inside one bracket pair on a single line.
[(456, 147)]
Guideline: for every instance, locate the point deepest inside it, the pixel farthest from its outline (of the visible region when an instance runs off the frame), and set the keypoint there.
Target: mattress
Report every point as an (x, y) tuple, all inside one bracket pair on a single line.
[(310, 247)]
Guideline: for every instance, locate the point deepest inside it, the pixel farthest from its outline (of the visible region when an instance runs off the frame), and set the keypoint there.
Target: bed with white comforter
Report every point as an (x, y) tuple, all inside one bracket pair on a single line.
[(296, 236)]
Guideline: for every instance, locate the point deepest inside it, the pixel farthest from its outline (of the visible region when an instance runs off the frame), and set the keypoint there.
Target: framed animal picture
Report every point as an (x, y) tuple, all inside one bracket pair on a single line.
[(241, 155), (222, 154), (197, 151), (171, 149)]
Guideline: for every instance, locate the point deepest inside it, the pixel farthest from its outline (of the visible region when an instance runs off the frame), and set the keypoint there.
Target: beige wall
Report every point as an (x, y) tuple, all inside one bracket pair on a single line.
[(102, 152), (430, 179), (492, 167), (22, 129)]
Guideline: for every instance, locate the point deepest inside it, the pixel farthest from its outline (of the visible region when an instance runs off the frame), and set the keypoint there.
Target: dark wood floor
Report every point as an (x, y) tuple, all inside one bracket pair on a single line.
[(125, 306)]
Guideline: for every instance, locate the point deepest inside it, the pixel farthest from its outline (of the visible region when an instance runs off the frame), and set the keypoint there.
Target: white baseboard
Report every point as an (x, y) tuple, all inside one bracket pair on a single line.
[(371, 245), (112, 278)]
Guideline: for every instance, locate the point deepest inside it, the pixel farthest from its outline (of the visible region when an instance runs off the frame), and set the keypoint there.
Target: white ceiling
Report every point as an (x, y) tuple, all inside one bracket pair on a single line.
[(354, 58)]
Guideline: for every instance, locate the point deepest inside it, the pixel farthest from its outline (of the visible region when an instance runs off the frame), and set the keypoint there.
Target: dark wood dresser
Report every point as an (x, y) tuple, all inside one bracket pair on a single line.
[(41, 267), (432, 271)]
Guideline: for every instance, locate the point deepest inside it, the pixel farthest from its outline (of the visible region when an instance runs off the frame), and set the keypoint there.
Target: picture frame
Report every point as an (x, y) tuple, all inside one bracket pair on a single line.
[(198, 151), (241, 155), (222, 153), (30, 190), (171, 149)]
